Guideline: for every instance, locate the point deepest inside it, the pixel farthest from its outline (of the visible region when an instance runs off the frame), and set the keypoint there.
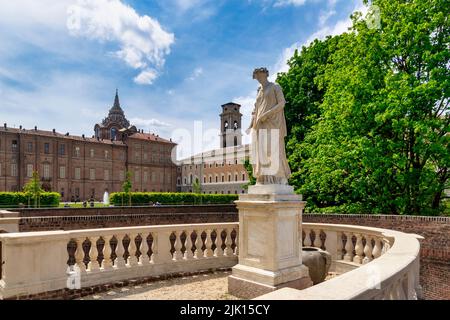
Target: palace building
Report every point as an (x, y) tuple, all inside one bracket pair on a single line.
[(81, 167), (219, 171)]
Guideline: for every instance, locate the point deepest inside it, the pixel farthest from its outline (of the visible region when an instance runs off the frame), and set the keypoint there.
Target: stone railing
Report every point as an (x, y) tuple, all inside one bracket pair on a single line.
[(36, 262), (374, 264)]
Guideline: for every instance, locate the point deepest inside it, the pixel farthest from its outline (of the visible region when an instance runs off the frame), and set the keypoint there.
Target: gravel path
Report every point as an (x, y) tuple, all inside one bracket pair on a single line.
[(212, 286)]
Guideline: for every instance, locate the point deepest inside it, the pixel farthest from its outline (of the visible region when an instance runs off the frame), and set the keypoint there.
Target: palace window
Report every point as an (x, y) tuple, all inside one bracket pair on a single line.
[(92, 174), (243, 177), (153, 176), (161, 177), (136, 175), (14, 145), (121, 175), (217, 179), (113, 133), (46, 148), (92, 153), (77, 151), (106, 174), (78, 173), (106, 154), (62, 149), (30, 147), (62, 172), (46, 170), (145, 176), (229, 178), (223, 178), (29, 170)]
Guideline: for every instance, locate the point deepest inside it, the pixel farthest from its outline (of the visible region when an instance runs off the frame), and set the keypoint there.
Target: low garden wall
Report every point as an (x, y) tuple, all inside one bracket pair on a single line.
[(435, 248)]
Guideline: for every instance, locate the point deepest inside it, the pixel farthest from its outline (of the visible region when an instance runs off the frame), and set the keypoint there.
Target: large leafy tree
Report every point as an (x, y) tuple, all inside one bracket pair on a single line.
[(381, 142), (303, 97)]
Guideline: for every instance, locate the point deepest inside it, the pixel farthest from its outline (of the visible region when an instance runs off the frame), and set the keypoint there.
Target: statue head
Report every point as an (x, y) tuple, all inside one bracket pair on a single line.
[(261, 74)]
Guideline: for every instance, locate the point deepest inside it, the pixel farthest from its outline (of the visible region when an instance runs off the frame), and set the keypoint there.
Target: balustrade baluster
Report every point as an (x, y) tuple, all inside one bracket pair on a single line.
[(368, 250), (317, 240), (198, 253), (228, 241), (236, 243), (348, 247), (339, 246), (307, 241), (177, 254), (119, 262), (143, 248), (188, 255), (132, 249), (93, 264), (359, 250), (154, 256), (79, 255), (208, 244), (376, 252), (218, 252), (106, 262)]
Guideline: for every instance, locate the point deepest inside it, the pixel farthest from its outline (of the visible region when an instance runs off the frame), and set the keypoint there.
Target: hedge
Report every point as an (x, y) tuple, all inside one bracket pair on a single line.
[(146, 198), (15, 199)]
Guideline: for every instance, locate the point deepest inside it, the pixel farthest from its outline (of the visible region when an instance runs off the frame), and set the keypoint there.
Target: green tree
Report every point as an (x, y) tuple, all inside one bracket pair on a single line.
[(127, 187), (249, 168), (303, 97), (196, 187), (381, 143), (33, 189)]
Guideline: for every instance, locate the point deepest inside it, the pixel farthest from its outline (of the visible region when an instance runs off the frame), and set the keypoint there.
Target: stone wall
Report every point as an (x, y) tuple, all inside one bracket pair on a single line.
[(91, 218), (435, 248)]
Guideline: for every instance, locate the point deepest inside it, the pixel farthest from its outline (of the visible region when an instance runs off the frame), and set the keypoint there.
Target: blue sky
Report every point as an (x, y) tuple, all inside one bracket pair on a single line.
[(174, 61)]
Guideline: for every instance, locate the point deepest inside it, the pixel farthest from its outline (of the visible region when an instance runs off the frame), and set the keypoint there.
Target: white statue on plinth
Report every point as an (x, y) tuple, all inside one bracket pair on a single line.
[(268, 129)]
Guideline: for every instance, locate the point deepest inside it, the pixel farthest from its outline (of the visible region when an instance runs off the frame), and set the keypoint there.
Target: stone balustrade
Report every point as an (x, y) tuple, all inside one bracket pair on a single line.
[(376, 264), (36, 262), (373, 263)]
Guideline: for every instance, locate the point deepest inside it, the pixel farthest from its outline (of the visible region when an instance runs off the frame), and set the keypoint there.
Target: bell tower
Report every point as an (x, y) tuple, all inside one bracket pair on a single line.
[(230, 125)]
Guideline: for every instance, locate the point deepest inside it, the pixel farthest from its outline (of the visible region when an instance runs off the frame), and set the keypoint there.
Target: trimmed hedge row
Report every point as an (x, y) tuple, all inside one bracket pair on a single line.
[(146, 198), (15, 199)]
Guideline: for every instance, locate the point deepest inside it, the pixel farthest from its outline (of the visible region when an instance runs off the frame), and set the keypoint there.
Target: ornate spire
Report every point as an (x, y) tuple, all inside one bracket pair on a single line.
[(116, 105)]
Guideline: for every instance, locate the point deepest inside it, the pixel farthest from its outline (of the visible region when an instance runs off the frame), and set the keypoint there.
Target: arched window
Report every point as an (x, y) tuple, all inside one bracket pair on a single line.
[(113, 133)]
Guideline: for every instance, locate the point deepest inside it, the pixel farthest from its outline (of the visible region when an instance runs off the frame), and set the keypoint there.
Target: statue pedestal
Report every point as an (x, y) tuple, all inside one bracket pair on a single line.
[(269, 242)]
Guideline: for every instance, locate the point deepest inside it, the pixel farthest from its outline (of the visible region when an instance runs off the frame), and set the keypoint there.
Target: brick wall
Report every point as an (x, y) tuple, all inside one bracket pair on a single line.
[(435, 248), (89, 218)]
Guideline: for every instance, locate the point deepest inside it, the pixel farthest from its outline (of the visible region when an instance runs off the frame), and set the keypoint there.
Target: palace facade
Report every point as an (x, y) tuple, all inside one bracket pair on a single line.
[(81, 167), (219, 171)]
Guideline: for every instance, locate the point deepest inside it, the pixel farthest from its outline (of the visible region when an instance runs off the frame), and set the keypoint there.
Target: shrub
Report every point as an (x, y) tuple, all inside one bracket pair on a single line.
[(146, 198), (14, 199)]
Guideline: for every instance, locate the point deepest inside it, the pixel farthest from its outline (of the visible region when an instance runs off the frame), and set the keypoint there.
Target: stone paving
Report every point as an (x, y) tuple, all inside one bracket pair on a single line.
[(211, 286)]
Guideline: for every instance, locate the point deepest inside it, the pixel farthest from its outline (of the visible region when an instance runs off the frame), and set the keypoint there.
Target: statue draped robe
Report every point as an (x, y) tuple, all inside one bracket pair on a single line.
[(268, 154)]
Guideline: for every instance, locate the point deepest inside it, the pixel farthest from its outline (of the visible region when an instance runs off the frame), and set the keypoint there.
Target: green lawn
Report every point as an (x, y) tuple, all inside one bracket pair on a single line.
[(80, 205)]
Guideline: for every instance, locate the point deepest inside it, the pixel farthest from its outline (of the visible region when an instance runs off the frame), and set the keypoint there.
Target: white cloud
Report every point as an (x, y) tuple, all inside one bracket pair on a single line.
[(147, 76), (196, 73), (148, 123), (280, 3), (141, 39), (325, 30)]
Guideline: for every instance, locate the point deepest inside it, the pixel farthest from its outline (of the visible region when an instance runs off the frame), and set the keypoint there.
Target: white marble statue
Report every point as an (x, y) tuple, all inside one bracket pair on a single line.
[(268, 130)]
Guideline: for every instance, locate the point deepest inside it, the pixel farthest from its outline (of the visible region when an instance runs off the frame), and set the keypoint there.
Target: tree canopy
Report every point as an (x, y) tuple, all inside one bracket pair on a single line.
[(368, 113)]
